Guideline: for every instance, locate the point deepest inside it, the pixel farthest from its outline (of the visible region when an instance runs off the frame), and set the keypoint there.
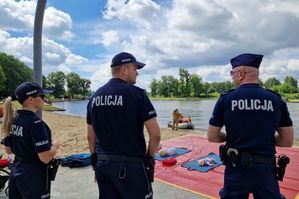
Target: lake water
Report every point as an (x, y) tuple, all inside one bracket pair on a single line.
[(199, 111)]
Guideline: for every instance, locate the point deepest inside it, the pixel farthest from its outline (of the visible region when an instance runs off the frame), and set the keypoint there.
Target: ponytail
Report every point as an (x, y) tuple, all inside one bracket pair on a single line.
[(7, 117)]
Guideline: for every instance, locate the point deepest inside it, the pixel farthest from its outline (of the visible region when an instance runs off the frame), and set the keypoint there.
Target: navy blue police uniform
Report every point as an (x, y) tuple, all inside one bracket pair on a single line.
[(28, 177), (117, 111), (29, 136), (251, 115)]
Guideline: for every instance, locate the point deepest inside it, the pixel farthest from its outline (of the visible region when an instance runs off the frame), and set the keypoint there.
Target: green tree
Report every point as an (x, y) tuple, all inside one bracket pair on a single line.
[(184, 88), (228, 85), (154, 87), (73, 83), (291, 83), (271, 82), (85, 86), (15, 71), (260, 82), (168, 86), (206, 88), (196, 85), (45, 82), (56, 81), (2, 79)]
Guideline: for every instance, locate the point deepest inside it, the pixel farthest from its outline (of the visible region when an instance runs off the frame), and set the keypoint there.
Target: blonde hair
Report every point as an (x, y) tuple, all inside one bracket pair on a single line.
[(7, 118)]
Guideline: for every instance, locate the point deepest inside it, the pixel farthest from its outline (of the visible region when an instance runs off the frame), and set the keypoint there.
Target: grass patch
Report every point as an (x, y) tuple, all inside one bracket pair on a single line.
[(47, 107)]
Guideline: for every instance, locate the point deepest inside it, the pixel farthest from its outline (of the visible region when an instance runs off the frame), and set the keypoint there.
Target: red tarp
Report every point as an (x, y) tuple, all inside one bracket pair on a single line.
[(209, 183)]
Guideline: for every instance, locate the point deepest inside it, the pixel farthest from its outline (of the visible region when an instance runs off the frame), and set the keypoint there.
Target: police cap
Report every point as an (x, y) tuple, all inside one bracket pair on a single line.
[(247, 59)]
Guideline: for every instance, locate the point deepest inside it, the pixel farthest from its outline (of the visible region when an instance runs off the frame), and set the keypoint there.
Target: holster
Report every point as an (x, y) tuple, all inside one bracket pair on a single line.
[(150, 168), (282, 163), (53, 168), (223, 154), (93, 160)]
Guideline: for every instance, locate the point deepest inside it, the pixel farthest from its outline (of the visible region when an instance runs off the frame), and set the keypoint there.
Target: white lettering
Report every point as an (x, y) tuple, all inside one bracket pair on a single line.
[(45, 196), (234, 104), (42, 143), (126, 60), (120, 101), (270, 106), (257, 104), (93, 101), (31, 92), (252, 104), (17, 130), (107, 100), (241, 104)]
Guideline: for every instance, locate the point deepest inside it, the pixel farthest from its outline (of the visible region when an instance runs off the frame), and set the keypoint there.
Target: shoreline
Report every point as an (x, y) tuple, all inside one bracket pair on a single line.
[(71, 133)]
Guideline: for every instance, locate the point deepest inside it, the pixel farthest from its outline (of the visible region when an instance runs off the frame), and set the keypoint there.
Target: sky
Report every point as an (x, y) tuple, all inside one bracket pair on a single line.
[(201, 36)]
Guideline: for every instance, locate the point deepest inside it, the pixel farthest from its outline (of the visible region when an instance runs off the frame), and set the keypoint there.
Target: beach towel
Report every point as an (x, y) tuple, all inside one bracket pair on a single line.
[(193, 165), (76, 160), (179, 151)]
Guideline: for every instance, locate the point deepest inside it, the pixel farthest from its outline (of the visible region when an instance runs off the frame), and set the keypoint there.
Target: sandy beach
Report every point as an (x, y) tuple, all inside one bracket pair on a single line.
[(70, 132)]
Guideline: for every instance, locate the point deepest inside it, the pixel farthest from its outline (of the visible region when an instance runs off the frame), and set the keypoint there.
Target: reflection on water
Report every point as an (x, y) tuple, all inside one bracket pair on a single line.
[(199, 111)]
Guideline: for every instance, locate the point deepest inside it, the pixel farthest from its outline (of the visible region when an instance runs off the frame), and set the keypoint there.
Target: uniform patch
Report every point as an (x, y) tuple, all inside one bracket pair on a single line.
[(42, 143), (17, 130), (153, 112), (252, 104), (107, 100)]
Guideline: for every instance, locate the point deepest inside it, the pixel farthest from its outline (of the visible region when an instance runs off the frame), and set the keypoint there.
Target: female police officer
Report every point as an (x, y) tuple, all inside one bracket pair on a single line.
[(29, 138)]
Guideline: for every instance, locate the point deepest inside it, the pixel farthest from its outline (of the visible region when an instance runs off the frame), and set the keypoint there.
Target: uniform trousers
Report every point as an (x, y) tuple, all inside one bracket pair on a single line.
[(120, 180), (260, 181), (29, 181)]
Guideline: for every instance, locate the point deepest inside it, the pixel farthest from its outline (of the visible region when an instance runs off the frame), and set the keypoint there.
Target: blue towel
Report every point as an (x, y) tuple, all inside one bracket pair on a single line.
[(193, 165), (76, 160), (179, 151)]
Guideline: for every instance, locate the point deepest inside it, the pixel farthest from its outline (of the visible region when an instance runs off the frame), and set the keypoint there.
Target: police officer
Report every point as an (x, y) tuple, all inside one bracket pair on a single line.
[(29, 139), (256, 120), (116, 115)]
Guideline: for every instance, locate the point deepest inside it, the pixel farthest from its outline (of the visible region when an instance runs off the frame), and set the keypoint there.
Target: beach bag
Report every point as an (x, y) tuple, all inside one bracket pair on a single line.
[(76, 160)]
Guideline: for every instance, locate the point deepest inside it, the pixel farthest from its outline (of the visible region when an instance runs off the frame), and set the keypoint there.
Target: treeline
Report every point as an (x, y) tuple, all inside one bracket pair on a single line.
[(13, 72), (191, 85)]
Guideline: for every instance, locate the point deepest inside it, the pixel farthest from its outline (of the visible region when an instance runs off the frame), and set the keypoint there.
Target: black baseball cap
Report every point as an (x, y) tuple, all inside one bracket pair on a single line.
[(125, 58), (27, 89)]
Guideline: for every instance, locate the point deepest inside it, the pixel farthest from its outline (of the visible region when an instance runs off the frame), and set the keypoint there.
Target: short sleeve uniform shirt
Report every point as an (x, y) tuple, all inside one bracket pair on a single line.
[(29, 136), (117, 111), (251, 116)]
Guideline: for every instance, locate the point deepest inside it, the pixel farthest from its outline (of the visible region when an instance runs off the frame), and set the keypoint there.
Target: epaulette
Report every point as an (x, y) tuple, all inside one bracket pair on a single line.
[(274, 92), (225, 92)]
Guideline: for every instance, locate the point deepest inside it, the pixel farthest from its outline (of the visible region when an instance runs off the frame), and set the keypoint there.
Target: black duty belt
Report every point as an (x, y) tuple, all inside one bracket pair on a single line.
[(234, 157), (258, 159), (120, 158)]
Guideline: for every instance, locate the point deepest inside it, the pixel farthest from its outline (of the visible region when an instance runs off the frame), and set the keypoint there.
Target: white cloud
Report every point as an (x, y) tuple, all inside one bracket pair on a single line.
[(55, 55), (141, 12), (198, 35), (109, 38), (75, 59), (58, 24), (101, 76), (18, 16)]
